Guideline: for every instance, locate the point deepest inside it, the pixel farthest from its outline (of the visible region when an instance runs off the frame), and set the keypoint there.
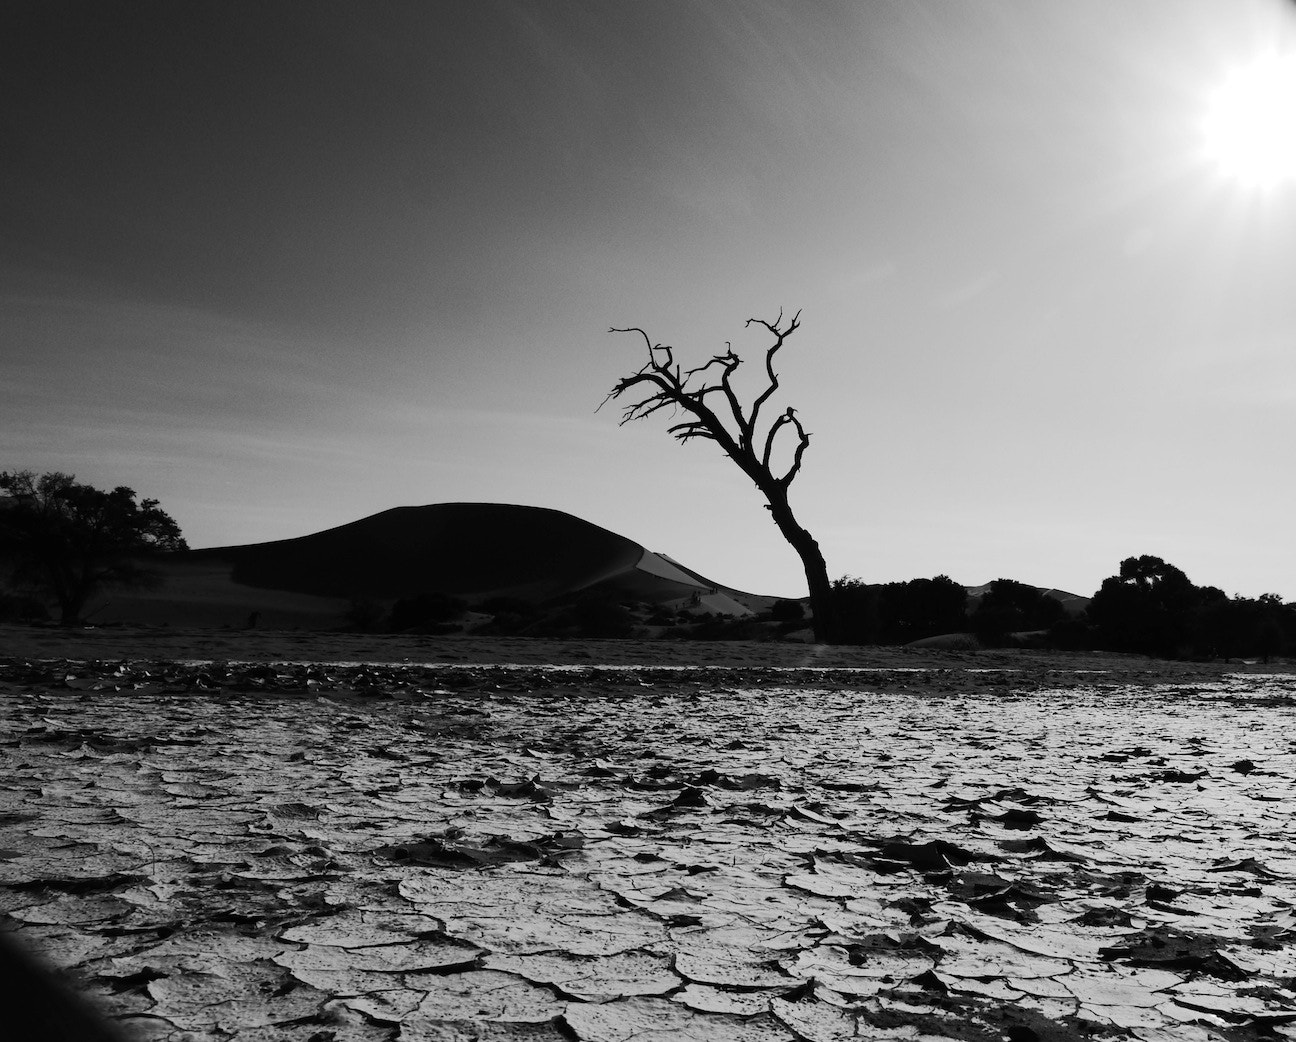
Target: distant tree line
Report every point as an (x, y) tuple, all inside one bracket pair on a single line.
[(63, 542), (902, 612), (1149, 607)]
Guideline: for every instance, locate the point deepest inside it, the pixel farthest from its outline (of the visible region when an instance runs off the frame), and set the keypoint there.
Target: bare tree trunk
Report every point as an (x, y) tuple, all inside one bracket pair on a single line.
[(812, 560), (662, 384)]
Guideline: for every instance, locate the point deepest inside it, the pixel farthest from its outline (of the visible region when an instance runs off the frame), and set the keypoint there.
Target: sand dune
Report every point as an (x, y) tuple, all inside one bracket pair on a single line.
[(469, 550)]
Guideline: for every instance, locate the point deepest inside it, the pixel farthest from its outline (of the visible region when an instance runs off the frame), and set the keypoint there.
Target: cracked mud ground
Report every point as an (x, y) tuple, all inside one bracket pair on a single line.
[(322, 853)]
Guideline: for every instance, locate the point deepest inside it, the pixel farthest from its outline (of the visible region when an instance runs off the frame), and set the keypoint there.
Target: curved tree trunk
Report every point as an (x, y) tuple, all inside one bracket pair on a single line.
[(662, 384), (812, 560)]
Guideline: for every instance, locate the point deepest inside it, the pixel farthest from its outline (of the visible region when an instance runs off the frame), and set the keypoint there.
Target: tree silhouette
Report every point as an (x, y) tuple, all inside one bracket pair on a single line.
[(1144, 608), (1009, 607), (662, 384), (897, 612), (1153, 608), (70, 540), (922, 608)]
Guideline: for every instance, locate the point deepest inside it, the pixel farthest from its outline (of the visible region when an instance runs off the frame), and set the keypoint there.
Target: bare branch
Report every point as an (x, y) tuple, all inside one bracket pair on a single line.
[(661, 384), (728, 362), (788, 418), (770, 437), (691, 429), (639, 410), (780, 335), (646, 339), (803, 443), (643, 376)]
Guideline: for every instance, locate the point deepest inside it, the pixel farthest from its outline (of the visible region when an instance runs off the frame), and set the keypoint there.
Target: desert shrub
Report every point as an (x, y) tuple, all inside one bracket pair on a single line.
[(592, 615), (599, 615), (425, 610), (787, 611), (510, 616), (1070, 633)]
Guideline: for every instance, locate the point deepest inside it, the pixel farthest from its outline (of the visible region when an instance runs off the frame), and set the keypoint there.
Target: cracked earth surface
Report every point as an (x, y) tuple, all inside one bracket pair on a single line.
[(323, 853)]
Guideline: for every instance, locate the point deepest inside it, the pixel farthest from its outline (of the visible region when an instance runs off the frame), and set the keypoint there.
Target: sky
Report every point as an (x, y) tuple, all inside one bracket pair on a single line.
[(284, 265)]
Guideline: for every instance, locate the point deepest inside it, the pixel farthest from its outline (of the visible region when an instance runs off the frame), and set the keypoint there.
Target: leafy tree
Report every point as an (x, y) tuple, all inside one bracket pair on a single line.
[(922, 608), (1238, 626), (1143, 608), (662, 384), (69, 540), (856, 607), (1151, 607), (1011, 607), (899, 612), (1270, 635)]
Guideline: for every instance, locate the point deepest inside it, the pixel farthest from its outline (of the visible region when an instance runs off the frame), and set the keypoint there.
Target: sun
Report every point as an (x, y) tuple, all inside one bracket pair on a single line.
[(1250, 125)]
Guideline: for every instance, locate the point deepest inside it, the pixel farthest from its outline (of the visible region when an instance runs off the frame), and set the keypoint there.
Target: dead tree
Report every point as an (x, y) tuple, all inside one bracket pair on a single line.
[(714, 412)]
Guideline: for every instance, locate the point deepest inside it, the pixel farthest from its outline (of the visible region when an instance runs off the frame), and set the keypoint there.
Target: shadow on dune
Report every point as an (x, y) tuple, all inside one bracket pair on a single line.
[(455, 548), (470, 551)]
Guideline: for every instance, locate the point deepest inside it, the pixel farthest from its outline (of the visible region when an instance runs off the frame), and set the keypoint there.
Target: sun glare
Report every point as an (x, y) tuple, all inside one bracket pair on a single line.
[(1250, 125)]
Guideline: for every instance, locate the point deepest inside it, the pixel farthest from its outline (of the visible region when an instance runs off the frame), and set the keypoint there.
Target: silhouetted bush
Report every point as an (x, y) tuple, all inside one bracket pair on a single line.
[(1152, 608), (602, 616), (510, 615), (858, 606), (1242, 627), (1012, 607), (425, 610), (1071, 633), (900, 612), (787, 611)]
